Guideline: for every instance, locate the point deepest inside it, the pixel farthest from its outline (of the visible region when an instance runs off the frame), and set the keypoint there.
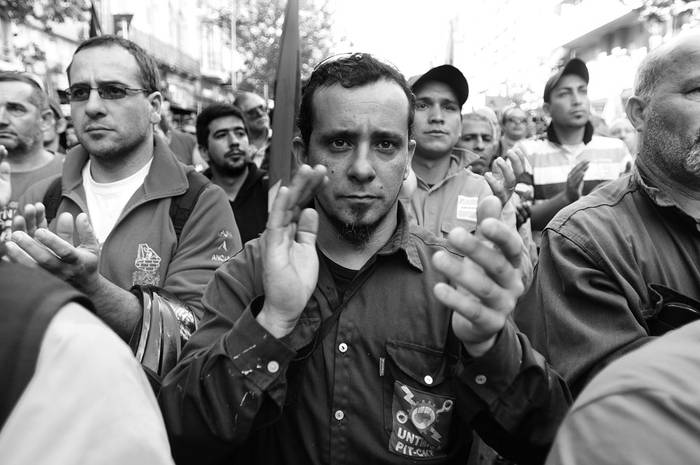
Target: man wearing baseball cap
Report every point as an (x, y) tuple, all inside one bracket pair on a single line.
[(448, 193), (571, 161)]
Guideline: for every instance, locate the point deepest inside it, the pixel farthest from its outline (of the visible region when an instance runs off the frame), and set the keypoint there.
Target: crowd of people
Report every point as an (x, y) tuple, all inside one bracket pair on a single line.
[(432, 286)]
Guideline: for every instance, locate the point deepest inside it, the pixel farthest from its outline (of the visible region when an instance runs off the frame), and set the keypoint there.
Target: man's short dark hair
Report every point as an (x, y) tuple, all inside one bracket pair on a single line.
[(148, 69), (212, 112), (352, 70), (38, 97)]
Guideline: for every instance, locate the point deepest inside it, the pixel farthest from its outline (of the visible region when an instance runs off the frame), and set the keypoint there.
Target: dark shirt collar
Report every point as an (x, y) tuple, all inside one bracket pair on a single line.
[(403, 241), (587, 134)]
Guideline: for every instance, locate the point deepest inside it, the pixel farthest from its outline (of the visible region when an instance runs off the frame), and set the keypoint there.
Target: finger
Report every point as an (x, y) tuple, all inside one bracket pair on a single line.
[(276, 217), (516, 161), (483, 320), (496, 186), (86, 235), (64, 227), (40, 215), (489, 207), (5, 170), (505, 238), (305, 183), (17, 255), (19, 223), (307, 227), (502, 169), (30, 218), (499, 263), (36, 250), (64, 251)]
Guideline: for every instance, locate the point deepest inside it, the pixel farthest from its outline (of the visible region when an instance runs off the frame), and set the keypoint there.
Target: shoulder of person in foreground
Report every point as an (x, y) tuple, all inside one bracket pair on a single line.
[(641, 409)]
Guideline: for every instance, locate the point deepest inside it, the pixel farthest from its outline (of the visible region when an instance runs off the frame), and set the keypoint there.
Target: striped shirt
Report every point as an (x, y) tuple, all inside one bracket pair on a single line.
[(551, 163)]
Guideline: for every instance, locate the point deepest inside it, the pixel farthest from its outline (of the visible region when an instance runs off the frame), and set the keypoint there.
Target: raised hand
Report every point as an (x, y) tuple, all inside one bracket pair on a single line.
[(483, 286), (290, 261), (502, 180), (574, 181), (32, 218), (56, 253)]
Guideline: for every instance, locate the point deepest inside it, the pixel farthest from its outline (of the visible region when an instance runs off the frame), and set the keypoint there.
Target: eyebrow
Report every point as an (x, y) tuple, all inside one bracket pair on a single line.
[(440, 100)]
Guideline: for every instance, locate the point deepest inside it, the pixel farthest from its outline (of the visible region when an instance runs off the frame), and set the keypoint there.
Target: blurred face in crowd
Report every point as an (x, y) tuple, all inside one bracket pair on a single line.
[(569, 105), (623, 130), (255, 110), (670, 119), (111, 128), (227, 145), (515, 124), (22, 122), (477, 136), (361, 135), (437, 124)]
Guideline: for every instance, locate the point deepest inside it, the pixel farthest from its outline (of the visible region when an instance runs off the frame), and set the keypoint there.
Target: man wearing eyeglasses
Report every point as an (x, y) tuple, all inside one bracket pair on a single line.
[(514, 122), (116, 228), (348, 334), (254, 108), (24, 116)]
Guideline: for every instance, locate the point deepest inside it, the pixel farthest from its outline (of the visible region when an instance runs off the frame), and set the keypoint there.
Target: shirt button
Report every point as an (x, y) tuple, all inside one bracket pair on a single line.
[(428, 379), (480, 379), (273, 366), (343, 347), (339, 415)]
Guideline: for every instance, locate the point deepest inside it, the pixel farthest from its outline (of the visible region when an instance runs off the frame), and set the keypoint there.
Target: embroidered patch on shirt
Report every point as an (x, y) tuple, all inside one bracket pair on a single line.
[(147, 265), (466, 207), (420, 423), (224, 250)]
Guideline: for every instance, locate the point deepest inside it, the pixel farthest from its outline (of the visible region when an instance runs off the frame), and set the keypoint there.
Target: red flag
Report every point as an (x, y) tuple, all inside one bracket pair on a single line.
[(287, 95)]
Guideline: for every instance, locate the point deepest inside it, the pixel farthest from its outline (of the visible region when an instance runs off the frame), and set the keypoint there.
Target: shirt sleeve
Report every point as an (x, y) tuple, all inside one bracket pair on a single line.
[(209, 238), (232, 375), (516, 400)]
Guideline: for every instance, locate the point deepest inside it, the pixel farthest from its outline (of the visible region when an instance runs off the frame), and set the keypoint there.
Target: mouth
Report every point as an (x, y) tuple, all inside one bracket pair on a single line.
[(235, 154), (436, 132), (96, 129), (7, 134), (360, 197)]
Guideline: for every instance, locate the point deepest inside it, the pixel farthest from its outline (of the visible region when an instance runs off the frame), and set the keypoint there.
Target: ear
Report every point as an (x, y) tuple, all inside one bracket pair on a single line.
[(47, 120), (545, 107), (299, 150), (156, 101), (61, 126), (636, 109), (204, 153), (411, 151)]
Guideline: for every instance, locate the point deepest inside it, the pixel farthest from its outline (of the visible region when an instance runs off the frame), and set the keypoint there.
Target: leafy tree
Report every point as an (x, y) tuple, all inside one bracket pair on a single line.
[(44, 11), (258, 30)]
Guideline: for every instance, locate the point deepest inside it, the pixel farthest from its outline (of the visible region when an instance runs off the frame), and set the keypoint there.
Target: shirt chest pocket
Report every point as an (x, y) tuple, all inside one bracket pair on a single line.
[(419, 400)]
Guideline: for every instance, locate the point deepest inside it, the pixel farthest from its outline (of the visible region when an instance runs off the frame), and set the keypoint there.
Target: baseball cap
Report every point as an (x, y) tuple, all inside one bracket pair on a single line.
[(446, 74), (574, 66)]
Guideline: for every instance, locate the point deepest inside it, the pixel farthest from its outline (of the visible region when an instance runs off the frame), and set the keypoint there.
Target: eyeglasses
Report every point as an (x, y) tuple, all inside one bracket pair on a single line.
[(81, 92), (516, 120)]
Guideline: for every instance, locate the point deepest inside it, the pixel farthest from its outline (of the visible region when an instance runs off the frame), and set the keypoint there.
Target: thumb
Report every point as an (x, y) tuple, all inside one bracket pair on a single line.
[(489, 207), (85, 233)]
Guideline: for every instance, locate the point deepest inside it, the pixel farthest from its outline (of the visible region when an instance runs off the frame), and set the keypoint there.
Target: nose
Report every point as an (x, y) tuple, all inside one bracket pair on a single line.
[(479, 146), (577, 98), (361, 169), (3, 116), (435, 114), (94, 105), (233, 140)]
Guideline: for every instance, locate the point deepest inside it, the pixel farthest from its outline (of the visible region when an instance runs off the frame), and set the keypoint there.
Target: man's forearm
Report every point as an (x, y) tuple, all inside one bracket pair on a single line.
[(118, 308), (541, 213)]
